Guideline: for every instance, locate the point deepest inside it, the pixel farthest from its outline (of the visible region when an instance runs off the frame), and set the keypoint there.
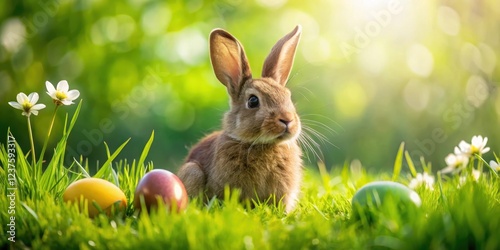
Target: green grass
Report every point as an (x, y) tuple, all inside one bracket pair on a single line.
[(454, 215)]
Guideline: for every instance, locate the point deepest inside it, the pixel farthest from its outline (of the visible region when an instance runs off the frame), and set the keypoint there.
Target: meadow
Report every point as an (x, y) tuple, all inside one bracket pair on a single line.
[(459, 210)]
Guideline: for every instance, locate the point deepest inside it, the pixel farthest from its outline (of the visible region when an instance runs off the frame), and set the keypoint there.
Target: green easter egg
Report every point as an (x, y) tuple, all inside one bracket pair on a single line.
[(386, 197)]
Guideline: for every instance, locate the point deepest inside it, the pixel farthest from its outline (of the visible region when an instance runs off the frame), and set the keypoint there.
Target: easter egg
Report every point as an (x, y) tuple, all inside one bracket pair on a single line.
[(386, 197), (164, 186), (90, 191)]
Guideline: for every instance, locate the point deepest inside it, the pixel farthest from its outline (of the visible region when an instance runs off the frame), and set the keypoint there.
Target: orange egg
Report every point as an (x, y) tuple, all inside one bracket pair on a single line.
[(88, 191)]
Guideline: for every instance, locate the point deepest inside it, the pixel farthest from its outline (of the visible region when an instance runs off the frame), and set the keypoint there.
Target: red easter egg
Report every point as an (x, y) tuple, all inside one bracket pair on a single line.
[(164, 186)]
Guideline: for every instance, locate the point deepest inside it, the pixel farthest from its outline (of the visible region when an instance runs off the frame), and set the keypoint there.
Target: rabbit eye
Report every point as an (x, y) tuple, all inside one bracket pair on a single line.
[(253, 102)]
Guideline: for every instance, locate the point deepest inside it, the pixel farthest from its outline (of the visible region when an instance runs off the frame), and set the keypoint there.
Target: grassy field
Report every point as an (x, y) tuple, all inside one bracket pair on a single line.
[(459, 211)]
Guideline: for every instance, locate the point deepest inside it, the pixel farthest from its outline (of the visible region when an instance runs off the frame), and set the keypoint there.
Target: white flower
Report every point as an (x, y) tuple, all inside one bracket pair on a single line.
[(495, 165), (62, 94), (27, 103), (455, 162), (425, 179), (475, 175), (477, 146)]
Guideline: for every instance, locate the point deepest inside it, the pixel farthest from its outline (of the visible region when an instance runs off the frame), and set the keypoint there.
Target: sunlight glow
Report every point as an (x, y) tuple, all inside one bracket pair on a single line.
[(448, 20), (351, 100), (416, 95), (420, 60)]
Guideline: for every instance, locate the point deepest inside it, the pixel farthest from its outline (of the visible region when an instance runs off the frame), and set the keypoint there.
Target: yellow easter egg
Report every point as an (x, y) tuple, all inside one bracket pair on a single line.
[(88, 191)]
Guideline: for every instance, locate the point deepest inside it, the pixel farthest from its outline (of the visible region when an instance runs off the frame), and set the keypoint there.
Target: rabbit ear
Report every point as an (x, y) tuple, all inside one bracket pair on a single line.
[(229, 61), (280, 60)]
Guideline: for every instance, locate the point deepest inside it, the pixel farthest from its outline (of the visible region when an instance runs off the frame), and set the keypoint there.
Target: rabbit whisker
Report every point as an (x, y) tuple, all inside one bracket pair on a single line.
[(311, 139), (310, 146), (321, 137), (322, 124)]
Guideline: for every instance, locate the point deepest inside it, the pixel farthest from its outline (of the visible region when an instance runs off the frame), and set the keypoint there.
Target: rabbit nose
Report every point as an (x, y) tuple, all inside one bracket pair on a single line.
[(286, 119), (286, 122)]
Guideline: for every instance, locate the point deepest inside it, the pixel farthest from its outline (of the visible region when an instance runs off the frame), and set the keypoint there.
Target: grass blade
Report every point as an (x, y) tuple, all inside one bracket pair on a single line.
[(411, 166), (30, 211), (105, 171), (145, 151), (108, 153), (84, 172), (398, 162), (492, 170), (73, 119)]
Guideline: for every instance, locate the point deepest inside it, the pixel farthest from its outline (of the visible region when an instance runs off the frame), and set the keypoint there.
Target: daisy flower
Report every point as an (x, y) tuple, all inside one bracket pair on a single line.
[(477, 146), (476, 174), (455, 162), (495, 165), (62, 95), (27, 103), (424, 179)]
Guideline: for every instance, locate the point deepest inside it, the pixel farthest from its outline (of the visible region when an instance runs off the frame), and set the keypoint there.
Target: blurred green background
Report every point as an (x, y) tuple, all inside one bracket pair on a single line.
[(368, 74)]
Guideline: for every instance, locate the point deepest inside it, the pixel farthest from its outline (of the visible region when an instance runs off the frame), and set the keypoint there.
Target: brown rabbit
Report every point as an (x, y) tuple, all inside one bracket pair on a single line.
[(257, 151)]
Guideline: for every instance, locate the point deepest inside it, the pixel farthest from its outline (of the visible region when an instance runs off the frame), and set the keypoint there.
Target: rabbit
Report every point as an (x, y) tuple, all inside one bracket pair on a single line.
[(257, 151)]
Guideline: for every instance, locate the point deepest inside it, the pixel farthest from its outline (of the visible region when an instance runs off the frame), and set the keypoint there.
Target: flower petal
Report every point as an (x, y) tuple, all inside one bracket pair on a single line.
[(16, 105), (484, 142), (477, 141), (50, 88), (73, 94), (66, 102), (450, 159), (22, 98), (464, 147), (476, 174), (63, 86), (448, 169), (494, 165), (485, 150), (33, 97), (38, 107)]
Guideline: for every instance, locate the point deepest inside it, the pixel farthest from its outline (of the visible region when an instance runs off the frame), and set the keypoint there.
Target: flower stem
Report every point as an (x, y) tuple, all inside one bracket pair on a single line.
[(479, 163), (33, 156), (48, 136), (32, 142), (470, 169)]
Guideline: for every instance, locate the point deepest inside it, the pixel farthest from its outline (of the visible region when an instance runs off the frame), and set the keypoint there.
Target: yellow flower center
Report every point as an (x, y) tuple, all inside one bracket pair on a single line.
[(27, 106), (474, 149), (61, 95)]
